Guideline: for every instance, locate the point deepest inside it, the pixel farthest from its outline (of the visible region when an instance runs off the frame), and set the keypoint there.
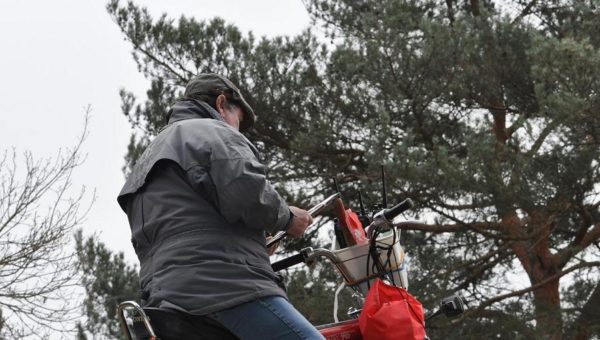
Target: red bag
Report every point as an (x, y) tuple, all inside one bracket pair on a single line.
[(391, 312)]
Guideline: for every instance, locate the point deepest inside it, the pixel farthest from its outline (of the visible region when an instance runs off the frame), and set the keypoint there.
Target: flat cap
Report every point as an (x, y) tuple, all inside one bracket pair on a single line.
[(216, 84)]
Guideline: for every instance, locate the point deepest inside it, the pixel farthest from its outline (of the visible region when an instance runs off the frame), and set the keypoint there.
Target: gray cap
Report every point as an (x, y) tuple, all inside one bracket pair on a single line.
[(215, 84)]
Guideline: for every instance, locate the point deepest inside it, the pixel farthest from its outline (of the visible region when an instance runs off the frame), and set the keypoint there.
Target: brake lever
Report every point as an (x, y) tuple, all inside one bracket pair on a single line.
[(383, 219)]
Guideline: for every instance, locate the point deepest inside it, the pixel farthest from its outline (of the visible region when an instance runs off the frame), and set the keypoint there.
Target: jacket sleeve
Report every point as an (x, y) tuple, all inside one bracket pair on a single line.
[(243, 191)]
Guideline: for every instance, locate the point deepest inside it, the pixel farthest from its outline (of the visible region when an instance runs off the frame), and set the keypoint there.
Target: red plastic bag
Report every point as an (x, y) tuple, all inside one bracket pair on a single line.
[(391, 312)]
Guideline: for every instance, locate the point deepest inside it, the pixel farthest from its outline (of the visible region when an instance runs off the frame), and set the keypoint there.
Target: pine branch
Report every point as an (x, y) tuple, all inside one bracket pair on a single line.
[(520, 292), (589, 318), (566, 254)]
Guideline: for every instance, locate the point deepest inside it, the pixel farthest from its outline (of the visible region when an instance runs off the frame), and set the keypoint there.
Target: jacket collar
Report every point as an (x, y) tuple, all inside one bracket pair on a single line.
[(190, 109)]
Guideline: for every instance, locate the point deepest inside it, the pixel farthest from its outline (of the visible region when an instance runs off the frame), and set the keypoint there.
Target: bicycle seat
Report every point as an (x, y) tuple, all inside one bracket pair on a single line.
[(153, 323), (171, 325)]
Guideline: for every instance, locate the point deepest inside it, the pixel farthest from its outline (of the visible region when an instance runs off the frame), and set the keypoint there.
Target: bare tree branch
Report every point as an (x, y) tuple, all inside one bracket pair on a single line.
[(38, 212)]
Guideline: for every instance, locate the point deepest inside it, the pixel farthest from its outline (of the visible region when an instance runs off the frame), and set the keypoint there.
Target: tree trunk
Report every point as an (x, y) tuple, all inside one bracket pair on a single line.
[(539, 264), (546, 301)]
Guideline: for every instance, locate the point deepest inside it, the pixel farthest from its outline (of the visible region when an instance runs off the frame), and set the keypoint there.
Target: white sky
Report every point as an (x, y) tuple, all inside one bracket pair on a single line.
[(56, 57)]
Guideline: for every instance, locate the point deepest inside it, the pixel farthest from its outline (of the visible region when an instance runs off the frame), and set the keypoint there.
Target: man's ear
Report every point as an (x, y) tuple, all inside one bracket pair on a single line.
[(220, 104)]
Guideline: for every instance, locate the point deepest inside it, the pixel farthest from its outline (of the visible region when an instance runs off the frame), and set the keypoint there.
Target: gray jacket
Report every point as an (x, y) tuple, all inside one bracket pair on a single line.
[(198, 204)]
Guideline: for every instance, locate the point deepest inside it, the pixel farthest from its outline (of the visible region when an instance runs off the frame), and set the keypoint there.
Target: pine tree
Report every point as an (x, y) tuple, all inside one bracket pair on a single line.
[(486, 113), (108, 280)]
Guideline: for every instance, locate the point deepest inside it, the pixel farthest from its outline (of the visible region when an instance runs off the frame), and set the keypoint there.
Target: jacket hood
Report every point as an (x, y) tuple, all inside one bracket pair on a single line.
[(190, 109)]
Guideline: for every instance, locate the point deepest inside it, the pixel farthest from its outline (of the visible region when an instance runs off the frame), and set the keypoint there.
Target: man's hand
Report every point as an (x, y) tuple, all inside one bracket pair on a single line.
[(300, 221)]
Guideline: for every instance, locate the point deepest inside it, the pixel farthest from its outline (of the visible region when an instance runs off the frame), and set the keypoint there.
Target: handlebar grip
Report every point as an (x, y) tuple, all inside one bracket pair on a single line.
[(399, 208), (288, 262)]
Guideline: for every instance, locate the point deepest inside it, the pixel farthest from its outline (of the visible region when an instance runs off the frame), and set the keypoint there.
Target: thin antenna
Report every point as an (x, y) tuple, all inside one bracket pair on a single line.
[(362, 207), (337, 188), (383, 187), (363, 218)]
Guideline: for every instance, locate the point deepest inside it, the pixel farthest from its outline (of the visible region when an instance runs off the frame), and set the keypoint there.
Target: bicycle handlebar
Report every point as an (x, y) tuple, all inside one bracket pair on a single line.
[(399, 208), (287, 262), (381, 219), (302, 256)]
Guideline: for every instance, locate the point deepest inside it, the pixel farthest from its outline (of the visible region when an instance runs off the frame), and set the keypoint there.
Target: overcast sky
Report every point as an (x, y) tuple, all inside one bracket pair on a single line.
[(57, 57)]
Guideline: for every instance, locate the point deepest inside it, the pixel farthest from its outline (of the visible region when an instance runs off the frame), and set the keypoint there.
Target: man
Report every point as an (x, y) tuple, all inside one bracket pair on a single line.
[(198, 204)]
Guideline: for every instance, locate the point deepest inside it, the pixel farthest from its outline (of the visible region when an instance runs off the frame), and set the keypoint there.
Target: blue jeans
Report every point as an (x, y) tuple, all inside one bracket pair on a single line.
[(271, 317)]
